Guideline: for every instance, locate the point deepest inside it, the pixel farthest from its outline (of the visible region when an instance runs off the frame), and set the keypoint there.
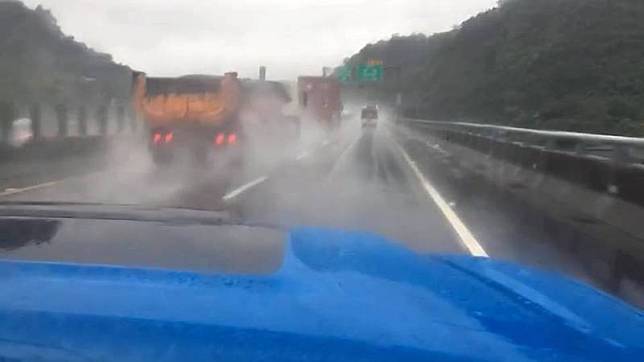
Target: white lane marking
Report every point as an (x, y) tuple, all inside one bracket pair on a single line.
[(306, 153), (467, 238), (241, 189), (346, 151), (13, 191)]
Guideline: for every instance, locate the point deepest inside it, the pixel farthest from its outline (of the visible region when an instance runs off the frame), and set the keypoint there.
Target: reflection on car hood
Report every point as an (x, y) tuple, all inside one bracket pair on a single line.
[(188, 240), (336, 296)]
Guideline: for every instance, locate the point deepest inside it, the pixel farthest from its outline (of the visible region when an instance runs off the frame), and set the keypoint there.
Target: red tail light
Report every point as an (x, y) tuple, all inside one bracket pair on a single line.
[(219, 140), (156, 138), (232, 139), (169, 137)]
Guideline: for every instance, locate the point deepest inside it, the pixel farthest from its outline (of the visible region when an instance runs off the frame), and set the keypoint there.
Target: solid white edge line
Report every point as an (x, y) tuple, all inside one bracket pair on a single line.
[(10, 192), (465, 235), (241, 189)]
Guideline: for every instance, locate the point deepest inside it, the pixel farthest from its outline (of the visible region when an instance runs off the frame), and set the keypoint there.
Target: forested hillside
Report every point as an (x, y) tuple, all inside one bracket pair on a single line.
[(40, 63), (558, 64)]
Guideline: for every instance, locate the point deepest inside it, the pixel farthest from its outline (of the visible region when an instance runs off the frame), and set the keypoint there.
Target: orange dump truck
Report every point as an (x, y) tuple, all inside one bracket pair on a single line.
[(200, 115)]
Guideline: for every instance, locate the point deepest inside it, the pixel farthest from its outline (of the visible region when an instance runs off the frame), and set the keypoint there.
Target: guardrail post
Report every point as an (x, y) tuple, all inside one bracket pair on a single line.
[(82, 121), (61, 115), (120, 118), (7, 115), (134, 121), (550, 144), (621, 154), (36, 117), (620, 157), (580, 147), (101, 117)]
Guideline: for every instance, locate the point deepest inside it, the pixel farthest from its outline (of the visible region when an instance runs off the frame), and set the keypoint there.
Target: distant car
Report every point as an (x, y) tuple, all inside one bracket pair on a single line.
[(369, 117)]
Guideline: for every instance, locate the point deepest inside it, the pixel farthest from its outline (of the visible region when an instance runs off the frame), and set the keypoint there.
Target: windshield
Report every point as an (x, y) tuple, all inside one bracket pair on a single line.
[(501, 130)]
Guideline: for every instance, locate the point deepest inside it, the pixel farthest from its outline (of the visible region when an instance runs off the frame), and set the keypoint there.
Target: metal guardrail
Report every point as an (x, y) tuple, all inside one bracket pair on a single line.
[(53, 149), (606, 164), (611, 166), (616, 148), (54, 132), (42, 122)]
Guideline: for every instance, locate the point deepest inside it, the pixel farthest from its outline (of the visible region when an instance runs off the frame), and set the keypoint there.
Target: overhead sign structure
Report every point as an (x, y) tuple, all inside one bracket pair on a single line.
[(372, 71), (344, 73)]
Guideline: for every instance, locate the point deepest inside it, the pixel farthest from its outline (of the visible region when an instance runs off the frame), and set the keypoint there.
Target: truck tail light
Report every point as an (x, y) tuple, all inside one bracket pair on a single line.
[(219, 139), (156, 139), (232, 139), (169, 137)]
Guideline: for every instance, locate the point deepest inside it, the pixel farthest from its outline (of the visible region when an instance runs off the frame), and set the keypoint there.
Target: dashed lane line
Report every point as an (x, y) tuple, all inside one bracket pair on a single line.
[(14, 191), (243, 188), (247, 186)]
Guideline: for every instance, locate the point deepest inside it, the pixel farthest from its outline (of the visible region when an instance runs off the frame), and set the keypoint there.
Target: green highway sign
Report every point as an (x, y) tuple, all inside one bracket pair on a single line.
[(370, 72), (344, 73)]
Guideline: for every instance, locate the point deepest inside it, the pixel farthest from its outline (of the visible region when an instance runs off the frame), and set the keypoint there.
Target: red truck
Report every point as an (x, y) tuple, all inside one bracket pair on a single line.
[(320, 100)]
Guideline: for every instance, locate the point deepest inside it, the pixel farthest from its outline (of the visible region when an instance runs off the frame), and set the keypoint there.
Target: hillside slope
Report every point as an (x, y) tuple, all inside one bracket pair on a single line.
[(39, 63), (559, 64)]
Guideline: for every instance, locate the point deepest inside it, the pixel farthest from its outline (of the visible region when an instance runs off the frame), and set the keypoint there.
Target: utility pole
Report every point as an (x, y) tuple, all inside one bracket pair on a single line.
[(394, 73), (262, 73)]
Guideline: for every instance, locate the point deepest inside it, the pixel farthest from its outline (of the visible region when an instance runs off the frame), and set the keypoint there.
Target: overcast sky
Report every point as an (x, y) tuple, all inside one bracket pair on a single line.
[(291, 37)]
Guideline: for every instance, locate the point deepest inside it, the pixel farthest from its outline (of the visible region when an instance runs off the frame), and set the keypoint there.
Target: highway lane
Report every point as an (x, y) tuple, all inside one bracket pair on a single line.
[(16, 175), (126, 178), (358, 184), (356, 180), (505, 229)]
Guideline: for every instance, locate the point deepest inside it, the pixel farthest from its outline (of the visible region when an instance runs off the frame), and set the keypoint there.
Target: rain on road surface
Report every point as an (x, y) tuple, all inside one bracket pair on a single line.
[(375, 181)]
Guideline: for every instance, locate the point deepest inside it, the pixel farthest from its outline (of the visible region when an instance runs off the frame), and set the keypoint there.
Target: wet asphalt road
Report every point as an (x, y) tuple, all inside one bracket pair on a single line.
[(356, 180)]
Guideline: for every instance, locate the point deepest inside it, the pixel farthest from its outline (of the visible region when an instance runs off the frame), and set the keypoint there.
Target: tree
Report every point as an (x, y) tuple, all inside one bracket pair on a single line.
[(572, 62)]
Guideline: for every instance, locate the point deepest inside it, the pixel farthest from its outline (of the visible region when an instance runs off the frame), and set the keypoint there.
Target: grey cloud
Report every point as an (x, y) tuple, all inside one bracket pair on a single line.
[(292, 37)]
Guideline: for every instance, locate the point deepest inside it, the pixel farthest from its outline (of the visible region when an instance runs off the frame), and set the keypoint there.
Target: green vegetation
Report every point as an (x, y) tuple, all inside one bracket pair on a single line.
[(558, 64), (38, 63)]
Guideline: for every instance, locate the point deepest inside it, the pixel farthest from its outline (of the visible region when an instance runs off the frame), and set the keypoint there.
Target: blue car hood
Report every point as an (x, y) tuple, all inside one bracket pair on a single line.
[(337, 296)]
